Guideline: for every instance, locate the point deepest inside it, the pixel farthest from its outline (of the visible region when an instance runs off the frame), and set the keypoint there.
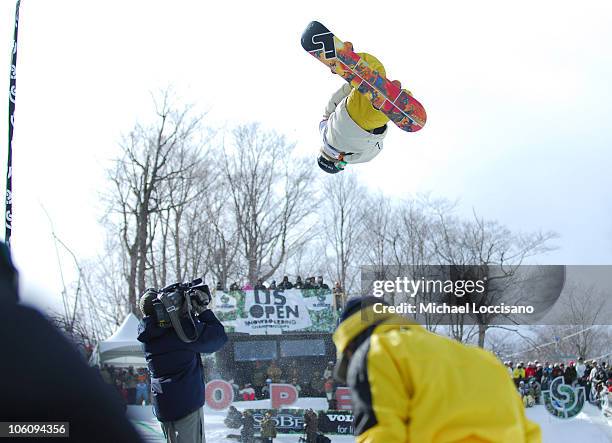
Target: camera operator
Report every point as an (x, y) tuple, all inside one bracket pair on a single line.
[(177, 379)]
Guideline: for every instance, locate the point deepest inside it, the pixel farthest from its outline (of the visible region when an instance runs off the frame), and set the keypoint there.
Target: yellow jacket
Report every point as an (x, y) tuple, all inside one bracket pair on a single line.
[(518, 373), (359, 106), (410, 385)]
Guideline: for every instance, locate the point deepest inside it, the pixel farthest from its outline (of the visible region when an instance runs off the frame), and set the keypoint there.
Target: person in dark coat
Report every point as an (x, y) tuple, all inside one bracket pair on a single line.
[(260, 285), (310, 283), (268, 428), (177, 379), (285, 284), (320, 283), (43, 377), (233, 420), (247, 433), (311, 426), (298, 283), (570, 375)]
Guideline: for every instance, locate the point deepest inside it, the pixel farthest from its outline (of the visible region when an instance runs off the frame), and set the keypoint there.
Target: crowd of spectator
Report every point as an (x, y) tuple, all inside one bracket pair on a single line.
[(132, 384), (318, 383), (534, 377), (285, 284)]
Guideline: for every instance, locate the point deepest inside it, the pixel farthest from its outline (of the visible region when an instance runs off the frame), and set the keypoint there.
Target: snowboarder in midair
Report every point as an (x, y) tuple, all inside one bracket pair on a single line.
[(352, 130)]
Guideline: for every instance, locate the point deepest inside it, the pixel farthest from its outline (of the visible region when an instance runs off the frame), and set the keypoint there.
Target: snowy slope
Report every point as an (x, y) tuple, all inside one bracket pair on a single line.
[(589, 426)]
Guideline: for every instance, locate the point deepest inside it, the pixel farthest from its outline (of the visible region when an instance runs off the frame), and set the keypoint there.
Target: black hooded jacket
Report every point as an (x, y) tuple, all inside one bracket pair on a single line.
[(177, 379)]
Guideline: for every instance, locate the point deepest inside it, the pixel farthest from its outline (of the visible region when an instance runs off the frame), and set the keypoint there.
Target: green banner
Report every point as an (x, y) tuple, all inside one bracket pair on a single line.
[(261, 312)]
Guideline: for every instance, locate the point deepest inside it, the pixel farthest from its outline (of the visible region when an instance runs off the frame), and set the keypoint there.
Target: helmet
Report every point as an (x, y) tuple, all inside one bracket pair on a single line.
[(330, 166)]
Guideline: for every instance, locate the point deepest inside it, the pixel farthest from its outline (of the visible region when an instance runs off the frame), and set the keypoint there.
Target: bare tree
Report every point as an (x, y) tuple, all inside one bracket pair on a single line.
[(343, 226), (582, 330), (138, 178), (378, 227), (411, 247), (473, 248), (270, 195)]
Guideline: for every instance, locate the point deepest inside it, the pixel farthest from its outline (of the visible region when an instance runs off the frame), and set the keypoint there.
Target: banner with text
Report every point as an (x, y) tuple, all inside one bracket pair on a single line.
[(261, 312)]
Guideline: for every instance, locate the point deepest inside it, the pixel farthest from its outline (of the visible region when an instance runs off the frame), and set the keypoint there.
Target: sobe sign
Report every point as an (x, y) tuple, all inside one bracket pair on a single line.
[(220, 395), (273, 311), (292, 421)]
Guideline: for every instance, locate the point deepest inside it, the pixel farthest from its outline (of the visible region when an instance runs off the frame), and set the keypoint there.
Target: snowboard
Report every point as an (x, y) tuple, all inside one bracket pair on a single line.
[(397, 104)]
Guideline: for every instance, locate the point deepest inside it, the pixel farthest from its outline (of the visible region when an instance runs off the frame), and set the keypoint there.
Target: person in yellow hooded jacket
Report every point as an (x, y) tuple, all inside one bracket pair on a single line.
[(410, 385), (518, 374), (352, 130)]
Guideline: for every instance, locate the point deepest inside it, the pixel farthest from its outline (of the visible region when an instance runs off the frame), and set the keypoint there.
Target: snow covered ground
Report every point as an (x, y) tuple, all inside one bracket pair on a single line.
[(589, 426)]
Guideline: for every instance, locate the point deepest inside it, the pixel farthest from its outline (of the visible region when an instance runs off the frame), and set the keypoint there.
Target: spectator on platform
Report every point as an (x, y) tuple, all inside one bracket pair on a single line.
[(285, 284), (259, 378), (320, 283), (570, 375), (556, 371), (535, 390), (338, 296), (273, 285), (317, 384), (274, 372), (530, 370), (260, 285), (247, 393), (547, 371), (519, 373), (329, 388), (265, 391), (247, 287), (220, 287), (268, 428), (296, 385), (580, 368), (293, 371), (235, 387), (308, 283), (298, 283), (539, 371), (234, 287), (329, 370)]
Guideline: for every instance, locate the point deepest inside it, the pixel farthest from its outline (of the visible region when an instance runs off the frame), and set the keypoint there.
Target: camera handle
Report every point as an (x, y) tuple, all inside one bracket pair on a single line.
[(175, 320)]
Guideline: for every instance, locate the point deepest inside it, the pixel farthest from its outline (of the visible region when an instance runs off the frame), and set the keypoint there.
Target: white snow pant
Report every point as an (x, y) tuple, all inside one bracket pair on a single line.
[(189, 429)]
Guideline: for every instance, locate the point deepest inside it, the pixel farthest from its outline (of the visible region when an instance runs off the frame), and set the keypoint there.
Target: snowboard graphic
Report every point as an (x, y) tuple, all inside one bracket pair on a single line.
[(401, 108)]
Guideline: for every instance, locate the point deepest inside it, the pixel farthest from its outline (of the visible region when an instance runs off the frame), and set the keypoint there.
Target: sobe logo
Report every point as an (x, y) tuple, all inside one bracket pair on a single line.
[(563, 401)]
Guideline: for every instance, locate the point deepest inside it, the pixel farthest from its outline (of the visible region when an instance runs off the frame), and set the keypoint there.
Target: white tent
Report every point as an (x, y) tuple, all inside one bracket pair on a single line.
[(121, 348)]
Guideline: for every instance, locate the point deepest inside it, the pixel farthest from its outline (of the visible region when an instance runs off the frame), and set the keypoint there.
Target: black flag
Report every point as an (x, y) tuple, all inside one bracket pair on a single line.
[(9, 164)]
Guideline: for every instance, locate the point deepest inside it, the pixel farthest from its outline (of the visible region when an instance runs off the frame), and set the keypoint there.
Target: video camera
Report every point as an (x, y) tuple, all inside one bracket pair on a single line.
[(180, 301)]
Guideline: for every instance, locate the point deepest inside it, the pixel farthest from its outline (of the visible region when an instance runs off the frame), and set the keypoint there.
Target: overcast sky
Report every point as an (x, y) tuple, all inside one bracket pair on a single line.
[(518, 96)]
